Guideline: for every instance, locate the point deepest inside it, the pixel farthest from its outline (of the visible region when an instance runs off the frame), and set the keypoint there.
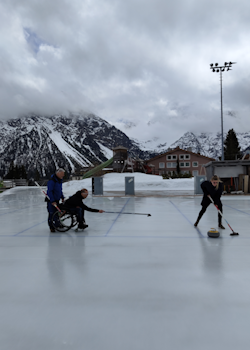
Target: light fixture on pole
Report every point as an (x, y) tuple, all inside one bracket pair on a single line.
[(219, 69)]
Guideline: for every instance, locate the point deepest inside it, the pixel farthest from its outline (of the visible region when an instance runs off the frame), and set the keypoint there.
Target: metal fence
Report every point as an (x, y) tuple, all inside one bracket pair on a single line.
[(9, 183)]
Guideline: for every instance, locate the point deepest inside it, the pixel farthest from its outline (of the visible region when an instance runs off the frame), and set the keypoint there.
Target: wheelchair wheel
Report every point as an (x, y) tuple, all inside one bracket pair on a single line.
[(62, 221), (74, 222)]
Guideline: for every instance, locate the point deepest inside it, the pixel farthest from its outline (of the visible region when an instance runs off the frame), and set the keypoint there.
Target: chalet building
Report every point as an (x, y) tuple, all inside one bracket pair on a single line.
[(189, 162)]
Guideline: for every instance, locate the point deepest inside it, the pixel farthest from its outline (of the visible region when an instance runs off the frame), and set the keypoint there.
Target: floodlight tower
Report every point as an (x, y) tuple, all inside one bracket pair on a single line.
[(219, 69)]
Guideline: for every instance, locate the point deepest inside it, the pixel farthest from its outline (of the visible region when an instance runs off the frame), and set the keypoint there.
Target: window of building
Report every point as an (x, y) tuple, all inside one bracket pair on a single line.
[(184, 164), (171, 165), (195, 172), (184, 156), (161, 165), (172, 157), (195, 164)]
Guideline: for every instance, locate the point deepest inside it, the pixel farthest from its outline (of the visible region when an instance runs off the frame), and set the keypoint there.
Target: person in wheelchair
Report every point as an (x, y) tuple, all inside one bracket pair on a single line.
[(75, 206)]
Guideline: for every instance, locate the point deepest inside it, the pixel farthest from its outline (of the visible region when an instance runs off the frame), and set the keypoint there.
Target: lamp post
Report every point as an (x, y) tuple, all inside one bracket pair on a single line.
[(219, 69)]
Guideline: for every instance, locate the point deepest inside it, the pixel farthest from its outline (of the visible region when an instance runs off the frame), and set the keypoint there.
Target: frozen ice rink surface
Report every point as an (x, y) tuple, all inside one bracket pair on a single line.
[(128, 282)]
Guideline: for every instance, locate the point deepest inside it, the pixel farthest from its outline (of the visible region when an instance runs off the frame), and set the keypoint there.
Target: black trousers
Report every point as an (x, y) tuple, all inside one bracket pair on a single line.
[(79, 214), (204, 208)]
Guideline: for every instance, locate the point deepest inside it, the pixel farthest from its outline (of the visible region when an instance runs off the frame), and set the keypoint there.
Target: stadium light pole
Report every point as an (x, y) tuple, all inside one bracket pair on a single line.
[(219, 69)]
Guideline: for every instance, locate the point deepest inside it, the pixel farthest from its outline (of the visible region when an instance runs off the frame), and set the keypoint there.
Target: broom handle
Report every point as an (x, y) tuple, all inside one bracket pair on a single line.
[(216, 206), (220, 213), (42, 190), (116, 212), (46, 195)]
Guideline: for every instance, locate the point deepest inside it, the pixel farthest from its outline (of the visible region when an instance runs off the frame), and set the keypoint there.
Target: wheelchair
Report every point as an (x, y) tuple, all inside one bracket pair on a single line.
[(63, 220)]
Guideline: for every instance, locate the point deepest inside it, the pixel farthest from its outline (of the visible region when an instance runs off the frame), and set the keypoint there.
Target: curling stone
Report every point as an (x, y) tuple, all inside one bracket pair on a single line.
[(213, 233)]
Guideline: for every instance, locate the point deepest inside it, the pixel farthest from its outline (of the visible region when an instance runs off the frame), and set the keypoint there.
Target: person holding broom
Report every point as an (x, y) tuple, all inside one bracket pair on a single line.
[(213, 189), (54, 195)]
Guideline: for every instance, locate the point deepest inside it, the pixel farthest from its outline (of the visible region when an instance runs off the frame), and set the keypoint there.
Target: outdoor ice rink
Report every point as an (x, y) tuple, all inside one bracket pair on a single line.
[(128, 282)]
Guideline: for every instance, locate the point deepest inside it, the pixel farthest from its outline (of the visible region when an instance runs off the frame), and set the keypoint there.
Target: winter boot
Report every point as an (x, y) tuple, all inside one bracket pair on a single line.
[(82, 226), (219, 222), (198, 219)]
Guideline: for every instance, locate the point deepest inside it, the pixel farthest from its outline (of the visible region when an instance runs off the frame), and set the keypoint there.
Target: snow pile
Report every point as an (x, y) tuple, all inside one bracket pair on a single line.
[(116, 182), (143, 182)]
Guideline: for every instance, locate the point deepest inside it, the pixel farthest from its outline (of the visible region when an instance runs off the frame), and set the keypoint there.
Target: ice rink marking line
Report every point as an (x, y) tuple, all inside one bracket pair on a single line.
[(14, 211), (27, 229), (59, 235), (187, 219), (241, 211), (116, 218)]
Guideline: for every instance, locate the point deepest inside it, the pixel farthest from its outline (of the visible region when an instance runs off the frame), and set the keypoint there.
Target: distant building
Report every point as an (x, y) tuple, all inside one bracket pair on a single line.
[(120, 155), (234, 173), (189, 162)]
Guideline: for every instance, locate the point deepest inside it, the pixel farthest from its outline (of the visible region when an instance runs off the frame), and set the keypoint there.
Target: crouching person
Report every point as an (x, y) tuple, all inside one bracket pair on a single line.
[(75, 205)]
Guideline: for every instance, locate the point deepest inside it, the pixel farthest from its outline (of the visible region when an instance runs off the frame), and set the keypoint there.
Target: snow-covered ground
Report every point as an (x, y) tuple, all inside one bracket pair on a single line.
[(116, 182), (143, 182)]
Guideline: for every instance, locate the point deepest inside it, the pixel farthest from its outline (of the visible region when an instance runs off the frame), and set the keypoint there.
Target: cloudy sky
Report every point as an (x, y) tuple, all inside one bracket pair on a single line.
[(142, 65)]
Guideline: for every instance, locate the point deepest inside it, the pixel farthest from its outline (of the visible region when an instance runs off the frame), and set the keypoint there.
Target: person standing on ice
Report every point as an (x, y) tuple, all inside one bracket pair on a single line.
[(214, 189), (75, 205), (55, 193)]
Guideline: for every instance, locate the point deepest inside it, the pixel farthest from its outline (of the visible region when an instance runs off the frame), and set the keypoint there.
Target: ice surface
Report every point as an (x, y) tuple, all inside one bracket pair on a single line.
[(128, 281)]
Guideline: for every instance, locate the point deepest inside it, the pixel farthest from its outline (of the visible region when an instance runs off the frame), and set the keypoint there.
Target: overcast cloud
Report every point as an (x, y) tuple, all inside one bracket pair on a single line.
[(142, 65)]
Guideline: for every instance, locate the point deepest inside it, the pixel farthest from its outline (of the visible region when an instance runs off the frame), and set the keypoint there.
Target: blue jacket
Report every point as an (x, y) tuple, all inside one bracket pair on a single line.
[(54, 190)]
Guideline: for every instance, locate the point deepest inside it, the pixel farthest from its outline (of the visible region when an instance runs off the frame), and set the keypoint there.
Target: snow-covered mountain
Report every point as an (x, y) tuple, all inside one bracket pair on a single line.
[(72, 142), (82, 140), (209, 144)]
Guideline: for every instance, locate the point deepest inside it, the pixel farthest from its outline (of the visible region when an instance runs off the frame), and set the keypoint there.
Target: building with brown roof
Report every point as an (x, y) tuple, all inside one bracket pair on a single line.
[(166, 163)]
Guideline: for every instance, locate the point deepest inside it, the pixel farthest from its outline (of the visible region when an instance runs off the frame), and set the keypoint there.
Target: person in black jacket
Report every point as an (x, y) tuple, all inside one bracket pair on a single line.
[(75, 205), (214, 189)]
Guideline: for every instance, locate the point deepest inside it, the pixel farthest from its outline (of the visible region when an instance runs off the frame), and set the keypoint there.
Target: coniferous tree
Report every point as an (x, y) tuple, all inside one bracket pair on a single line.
[(66, 175), (231, 146), (11, 172), (22, 172), (37, 175), (178, 170), (16, 172)]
